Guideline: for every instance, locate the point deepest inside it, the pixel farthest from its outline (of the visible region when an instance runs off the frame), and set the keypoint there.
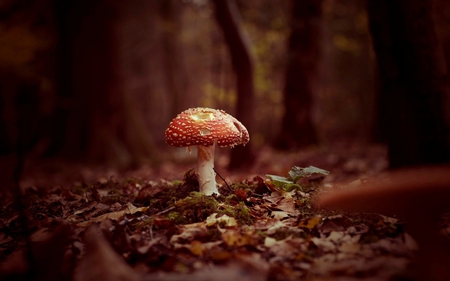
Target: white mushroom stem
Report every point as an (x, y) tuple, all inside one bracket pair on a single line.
[(206, 174)]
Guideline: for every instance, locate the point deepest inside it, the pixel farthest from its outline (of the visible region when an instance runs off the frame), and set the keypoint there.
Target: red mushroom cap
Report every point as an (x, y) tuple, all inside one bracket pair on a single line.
[(206, 126)]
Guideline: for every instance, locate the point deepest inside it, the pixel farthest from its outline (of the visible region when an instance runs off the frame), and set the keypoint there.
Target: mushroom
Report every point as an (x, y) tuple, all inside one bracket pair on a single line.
[(206, 127), (418, 195)]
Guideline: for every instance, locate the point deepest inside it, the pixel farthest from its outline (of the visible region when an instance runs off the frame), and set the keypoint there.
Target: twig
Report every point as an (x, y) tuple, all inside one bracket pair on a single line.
[(126, 221), (157, 214), (223, 179), (164, 211)]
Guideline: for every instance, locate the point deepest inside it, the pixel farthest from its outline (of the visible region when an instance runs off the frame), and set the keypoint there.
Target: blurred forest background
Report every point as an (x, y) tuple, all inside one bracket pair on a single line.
[(100, 80)]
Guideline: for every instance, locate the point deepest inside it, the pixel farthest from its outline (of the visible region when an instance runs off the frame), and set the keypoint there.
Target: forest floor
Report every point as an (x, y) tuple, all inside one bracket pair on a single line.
[(72, 222)]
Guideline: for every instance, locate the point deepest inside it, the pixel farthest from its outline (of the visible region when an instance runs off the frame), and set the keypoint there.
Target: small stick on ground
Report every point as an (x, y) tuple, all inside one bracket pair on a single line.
[(223, 179)]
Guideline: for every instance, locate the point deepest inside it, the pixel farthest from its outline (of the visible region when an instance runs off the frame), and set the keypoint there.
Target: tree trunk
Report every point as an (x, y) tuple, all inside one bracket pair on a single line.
[(297, 129), (238, 43), (175, 76), (413, 82), (101, 121)]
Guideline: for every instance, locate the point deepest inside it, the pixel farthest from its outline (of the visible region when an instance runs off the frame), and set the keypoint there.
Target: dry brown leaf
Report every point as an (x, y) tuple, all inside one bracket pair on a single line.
[(287, 204), (234, 237), (310, 223), (188, 233), (129, 209), (196, 248), (199, 248), (324, 245), (223, 221), (279, 215), (337, 236), (269, 242), (349, 248)]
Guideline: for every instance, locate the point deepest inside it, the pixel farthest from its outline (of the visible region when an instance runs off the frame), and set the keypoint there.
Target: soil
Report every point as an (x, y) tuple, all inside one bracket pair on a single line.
[(73, 222)]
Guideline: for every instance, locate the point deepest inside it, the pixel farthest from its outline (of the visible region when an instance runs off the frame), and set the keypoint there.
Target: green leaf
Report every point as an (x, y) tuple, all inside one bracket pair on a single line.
[(297, 173), (279, 182), (291, 186), (278, 178)]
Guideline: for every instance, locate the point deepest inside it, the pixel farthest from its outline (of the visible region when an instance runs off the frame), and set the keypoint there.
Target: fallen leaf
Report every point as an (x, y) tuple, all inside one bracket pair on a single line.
[(196, 248), (129, 209), (223, 221), (269, 242), (234, 237), (199, 248), (330, 225), (347, 247), (336, 236), (324, 245), (279, 215), (281, 202), (310, 223), (188, 233)]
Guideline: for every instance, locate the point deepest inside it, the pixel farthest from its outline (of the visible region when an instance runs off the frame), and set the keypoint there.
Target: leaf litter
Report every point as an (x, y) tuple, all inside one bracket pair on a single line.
[(259, 229)]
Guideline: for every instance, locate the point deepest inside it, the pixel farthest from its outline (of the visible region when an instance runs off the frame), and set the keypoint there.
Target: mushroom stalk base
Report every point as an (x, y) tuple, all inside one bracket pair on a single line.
[(206, 174)]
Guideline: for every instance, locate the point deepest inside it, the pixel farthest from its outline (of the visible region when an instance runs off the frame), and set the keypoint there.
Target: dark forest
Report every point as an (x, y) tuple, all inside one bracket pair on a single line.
[(322, 150)]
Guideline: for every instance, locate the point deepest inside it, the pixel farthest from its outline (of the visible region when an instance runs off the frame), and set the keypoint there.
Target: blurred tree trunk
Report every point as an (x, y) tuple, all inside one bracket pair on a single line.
[(297, 129), (238, 43), (99, 119), (442, 18), (175, 76), (413, 85)]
